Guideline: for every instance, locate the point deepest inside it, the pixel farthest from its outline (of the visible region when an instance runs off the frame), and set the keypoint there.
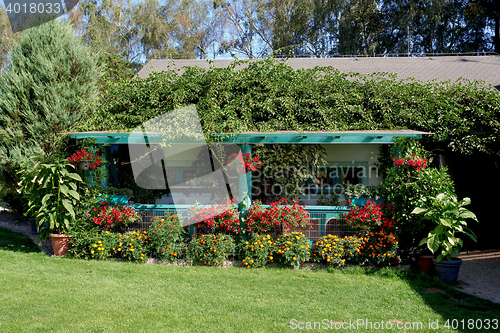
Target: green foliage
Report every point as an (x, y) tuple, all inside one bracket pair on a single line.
[(103, 245), (257, 251), (82, 241), (335, 251), (406, 187), (329, 200), (131, 246), (165, 238), (53, 194), (286, 168), (50, 80), (269, 96), (367, 191), (292, 249), (449, 217), (378, 248), (211, 250)]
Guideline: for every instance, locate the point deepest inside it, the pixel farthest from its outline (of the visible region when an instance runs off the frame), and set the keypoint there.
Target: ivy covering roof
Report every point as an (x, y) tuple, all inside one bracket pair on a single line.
[(270, 96)]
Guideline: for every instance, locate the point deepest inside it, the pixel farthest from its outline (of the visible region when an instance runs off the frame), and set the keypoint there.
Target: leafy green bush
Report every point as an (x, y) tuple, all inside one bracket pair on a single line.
[(329, 200), (335, 251), (367, 191), (82, 241), (293, 249), (408, 185), (50, 80), (450, 221), (378, 248), (103, 245), (132, 246), (269, 96), (165, 238), (212, 249), (257, 251)]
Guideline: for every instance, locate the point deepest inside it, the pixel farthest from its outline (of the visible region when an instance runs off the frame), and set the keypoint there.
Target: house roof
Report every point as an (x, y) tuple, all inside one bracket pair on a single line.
[(440, 68)]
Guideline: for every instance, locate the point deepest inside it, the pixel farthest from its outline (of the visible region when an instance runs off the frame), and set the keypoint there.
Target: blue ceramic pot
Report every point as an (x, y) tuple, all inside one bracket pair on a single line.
[(447, 270)]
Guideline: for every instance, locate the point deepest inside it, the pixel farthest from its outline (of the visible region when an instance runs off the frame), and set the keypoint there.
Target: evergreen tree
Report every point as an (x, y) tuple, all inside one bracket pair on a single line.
[(50, 79)]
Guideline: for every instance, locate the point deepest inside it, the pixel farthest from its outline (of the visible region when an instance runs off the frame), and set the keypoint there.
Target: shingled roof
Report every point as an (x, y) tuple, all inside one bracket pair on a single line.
[(440, 68)]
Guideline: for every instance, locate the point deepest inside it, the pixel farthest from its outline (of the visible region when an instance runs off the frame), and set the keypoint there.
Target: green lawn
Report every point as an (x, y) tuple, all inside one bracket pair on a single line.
[(42, 294)]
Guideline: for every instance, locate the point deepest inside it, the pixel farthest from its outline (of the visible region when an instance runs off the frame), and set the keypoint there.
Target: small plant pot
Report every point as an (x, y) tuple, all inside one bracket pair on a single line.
[(83, 165), (60, 244), (426, 265), (447, 270)]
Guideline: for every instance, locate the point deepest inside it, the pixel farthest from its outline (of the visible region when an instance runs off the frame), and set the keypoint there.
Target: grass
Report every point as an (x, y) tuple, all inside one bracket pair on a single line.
[(41, 294)]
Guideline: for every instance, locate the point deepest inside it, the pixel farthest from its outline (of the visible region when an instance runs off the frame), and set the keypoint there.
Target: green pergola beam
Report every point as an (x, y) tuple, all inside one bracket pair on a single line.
[(348, 137)]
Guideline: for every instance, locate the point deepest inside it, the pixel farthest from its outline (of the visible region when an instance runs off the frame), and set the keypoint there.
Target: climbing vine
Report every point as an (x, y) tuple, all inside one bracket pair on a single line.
[(269, 96)]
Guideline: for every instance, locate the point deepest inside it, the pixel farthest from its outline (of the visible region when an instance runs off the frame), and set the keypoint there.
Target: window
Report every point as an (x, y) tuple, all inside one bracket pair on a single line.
[(335, 178)]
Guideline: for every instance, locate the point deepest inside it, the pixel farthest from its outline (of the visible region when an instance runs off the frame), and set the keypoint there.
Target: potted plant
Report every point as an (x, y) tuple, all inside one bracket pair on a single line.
[(57, 186), (358, 195), (450, 219), (85, 159), (30, 189)]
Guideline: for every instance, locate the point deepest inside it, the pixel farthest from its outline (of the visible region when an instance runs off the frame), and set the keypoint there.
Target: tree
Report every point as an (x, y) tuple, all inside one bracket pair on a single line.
[(7, 37), (50, 80)]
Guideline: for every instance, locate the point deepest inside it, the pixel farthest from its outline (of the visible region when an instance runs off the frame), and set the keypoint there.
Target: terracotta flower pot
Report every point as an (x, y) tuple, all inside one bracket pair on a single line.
[(60, 244), (425, 264)]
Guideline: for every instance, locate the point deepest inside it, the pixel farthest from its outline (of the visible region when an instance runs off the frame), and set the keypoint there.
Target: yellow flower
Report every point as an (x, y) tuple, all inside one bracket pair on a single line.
[(131, 250), (107, 232), (92, 252), (294, 258), (99, 242), (119, 249), (95, 245)]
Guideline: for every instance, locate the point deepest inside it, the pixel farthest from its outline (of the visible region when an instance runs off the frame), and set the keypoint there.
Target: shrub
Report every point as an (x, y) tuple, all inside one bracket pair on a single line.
[(262, 220), (371, 217), (378, 248), (218, 217), (103, 245), (279, 213), (293, 249), (82, 241), (211, 249), (50, 81), (367, 191), (408, 184), (113, 216), (368, 217), (331, 199), (165, 238), (257, 251), (132, 246), (292, 215), (335, 251)]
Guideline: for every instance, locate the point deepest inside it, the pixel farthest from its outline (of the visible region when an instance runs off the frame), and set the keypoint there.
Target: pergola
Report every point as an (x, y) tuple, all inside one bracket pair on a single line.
[(245, 141)]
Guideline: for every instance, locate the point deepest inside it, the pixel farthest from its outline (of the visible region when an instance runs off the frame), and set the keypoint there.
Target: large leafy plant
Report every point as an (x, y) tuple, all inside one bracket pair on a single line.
[(407, 186), (450, 218), (57, 186)]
